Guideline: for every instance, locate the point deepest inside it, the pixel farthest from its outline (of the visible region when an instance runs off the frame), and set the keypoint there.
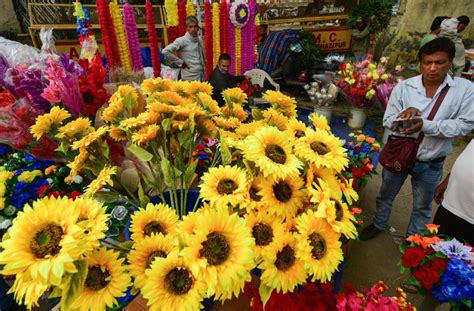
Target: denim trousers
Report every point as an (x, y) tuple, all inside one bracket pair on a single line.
[(425, 176)]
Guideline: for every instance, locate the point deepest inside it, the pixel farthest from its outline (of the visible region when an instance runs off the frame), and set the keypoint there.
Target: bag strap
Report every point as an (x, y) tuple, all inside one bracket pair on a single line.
[(435, 109)]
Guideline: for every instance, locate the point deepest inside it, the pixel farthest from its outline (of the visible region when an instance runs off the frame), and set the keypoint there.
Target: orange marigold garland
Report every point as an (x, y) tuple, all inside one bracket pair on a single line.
[(216, 41)]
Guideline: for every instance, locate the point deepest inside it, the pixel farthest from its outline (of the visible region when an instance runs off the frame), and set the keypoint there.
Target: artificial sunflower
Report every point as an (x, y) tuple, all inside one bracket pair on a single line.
[(172, 284), (42, 245), (224, 185), (319, 246), (114, 110), (295, 128), (237, 111), (283, 196), (322, 149), (154, 219), (341, 219), (75, 129), (254, 200), (93, 219), (78, 162), (321, 183), (319, 122), (131, 123), (170, 98), (150, 86), (125, 91), (144, 253), (208, 103), (206, 127), (117, 134), (180, 87), (106, 281), (222, 250), (196, 87), (281, 102), (346, 188), (247, 129), (282, 267), (104, 177), (274, 118), (270, 150), (49, 122), (145, 134), (227, 124), (90, 138), (234, 96)]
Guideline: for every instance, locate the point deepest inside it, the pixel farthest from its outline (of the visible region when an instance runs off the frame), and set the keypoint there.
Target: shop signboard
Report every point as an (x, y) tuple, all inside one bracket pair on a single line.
[(336, 39)]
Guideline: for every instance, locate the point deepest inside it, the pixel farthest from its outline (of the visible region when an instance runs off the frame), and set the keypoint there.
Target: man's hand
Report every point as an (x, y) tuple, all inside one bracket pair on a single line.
[(409, 113), (417, 125), (439, 192)]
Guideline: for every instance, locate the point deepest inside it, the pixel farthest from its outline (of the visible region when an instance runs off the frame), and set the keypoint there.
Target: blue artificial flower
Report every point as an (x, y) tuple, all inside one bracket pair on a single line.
[(455, 250), (456, 283), (203, 156), (29, 157), (20, 187), (18, 172), (3, 150), (127, 297), (366, 149)]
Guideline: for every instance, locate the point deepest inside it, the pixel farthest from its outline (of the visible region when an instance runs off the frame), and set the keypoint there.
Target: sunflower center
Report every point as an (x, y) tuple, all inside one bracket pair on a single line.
[(285, 258), (276, 154), (253, 194), (318, 245), (262, 233), (282, 191), (339, 211), (215, 249), (299, 133), (154, 227), (179, 281), (46, 241), (97, 278), (319, 148), (226, 186), (153, 255)]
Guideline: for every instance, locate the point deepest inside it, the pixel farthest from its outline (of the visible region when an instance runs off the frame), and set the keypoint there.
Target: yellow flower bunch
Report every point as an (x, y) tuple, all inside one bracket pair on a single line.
[(171, 9), (238, 50), (190, 9), (29, 176), (117, 21), (48, 122), (4, 176)]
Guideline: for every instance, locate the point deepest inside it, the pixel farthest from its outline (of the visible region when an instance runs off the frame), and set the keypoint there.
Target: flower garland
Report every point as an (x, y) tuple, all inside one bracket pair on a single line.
[(108, 33), (190, 10), (171, 9), (208, 45), (230, 41), (132, 36), (223, 19), (245, 47), (252, 31), (182, 17), (239, 13), (86, 37), (121, 38), (238, 50), (216, 42), (153, 39)]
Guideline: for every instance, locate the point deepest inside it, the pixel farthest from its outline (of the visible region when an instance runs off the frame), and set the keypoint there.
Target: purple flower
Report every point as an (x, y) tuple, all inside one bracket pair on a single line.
[(455, 250)]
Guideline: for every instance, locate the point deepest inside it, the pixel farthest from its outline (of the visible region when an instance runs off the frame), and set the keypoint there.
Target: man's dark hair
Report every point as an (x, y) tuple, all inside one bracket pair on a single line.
[(437, 22), (463, 19), (224, 56), (438, 45)]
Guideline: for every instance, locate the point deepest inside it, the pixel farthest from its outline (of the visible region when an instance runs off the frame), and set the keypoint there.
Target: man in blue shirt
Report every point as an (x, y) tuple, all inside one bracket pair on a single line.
[(412, 101)]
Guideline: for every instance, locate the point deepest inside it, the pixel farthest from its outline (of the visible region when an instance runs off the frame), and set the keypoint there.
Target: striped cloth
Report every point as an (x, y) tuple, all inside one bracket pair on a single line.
[(274, 49)]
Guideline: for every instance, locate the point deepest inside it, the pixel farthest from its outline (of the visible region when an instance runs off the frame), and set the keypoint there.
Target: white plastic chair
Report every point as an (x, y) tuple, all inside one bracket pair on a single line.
[(258, 76)]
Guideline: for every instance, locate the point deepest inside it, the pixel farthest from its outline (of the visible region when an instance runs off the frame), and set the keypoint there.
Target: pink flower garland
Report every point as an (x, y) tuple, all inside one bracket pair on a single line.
[(182, 17), (230, 39), (153, 39), (132, 37), (208, 38), (108, 33), (224, 17), (249, 55)]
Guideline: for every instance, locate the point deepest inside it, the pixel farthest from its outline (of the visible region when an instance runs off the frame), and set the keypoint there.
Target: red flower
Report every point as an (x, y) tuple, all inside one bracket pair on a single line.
[(426, 276), (41, 191), (413, 257), (439, 264), (73, 195), (54, 194)]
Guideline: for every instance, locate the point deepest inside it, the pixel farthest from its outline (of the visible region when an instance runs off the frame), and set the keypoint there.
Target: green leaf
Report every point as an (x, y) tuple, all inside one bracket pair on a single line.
[(189, 173), (467, 302), (404, 269), (140, 153), (73, 285), (225, 153), (56, 293), (414, 281), (166, 124), (129, 102), (265, 293), (167, 172), (184, 139), (63, 147), (127, 245), (144, 199), (257, 114)]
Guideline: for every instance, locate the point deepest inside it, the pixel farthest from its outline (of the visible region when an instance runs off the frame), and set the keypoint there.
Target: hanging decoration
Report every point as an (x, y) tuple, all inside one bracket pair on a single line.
[(230, 40), (190, 10), (171, 9), (239, 13), (208, 46), (248, 39), (153, 39), (84, 31), (132, 37), (223, 19), (181, 17), (117, 22), (216, 40), (238, 51), (108, 33)]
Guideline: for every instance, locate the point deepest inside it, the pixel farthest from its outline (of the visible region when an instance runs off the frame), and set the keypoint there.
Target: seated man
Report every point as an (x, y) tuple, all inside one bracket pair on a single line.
[(221, 79)]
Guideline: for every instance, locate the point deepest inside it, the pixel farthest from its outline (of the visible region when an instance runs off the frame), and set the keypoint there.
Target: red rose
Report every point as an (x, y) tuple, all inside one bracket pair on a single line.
[(413, 257), (426, 276), (439, 264)]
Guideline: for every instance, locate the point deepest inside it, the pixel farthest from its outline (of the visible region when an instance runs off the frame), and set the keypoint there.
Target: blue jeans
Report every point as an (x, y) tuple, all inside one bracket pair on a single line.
[(424, 179)]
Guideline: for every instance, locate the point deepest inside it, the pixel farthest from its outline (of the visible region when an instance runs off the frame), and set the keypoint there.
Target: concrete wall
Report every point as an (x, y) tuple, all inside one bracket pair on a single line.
[(414, 20), (8, 21)]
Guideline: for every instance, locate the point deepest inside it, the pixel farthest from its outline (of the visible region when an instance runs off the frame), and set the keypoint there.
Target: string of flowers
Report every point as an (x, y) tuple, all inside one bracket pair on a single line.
[(171, 9), (208, 38), (132, 37), (223, 19), (108, 33), (121, 38), (245, 47), (250, 56), (190, 10), (181, 17), (86, 37), (238, 50), (216, 41), (153, 39), (230, 40)]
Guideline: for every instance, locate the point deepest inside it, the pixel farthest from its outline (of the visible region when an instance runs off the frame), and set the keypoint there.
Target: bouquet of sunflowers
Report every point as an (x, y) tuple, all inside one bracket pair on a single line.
[(273, 198)]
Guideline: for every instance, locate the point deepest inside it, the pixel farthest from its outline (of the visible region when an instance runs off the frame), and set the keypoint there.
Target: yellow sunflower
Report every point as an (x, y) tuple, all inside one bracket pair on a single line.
[(170, 98), (284, 196), (150, 86), (114, 110), (131, 123), (180, 87), (92, 218), (78, 162), (158, 107), (196, 87), (322, 149), (221, 249), (253, 199), (279, 101), (117, 134), (104, 177), (282, 267), (247, 129), (154, 219), (270, 149), (144, 253), (172, 285), (27, 291), (274, 118), (319, 122), (319, 246), (321, 183), (127, 90), (234, 96), (224, 185), (106, 281), (75, 129), (90, 138), (227, 124), (49, 122), (346, 188), (41, 246), (295, 128), (206, 127), (237, 111), (209, 104), (145, 134), (340, 219)]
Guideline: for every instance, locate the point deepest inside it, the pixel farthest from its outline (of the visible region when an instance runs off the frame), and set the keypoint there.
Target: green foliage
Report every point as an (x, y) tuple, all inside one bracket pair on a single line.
[(311, 51), (378, 12)]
